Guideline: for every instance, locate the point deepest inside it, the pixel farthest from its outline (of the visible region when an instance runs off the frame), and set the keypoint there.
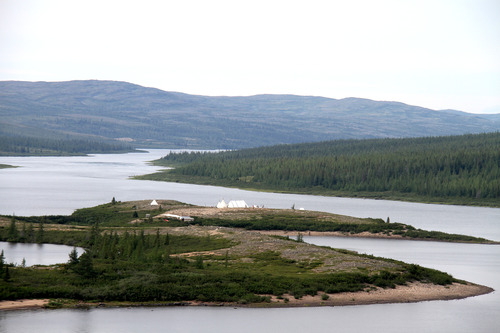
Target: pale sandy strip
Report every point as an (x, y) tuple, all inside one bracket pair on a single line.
[(414, 292), (23, 304)]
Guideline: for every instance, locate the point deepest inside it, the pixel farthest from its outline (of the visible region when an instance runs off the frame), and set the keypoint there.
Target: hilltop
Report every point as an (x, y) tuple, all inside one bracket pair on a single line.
[(149, 117)]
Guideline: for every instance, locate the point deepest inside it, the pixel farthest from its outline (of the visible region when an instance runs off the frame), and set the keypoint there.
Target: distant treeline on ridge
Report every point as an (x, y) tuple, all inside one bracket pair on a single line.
[(461, 167), (23, 145)]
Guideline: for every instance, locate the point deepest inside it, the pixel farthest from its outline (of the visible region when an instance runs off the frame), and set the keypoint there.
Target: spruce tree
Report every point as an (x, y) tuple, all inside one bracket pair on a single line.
[(73, 258), (40, 233), (13, 233)]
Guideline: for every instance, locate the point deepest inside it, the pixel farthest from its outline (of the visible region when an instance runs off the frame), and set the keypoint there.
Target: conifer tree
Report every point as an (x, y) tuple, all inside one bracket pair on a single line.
[(40, 233), (73, 258), (12, 233)]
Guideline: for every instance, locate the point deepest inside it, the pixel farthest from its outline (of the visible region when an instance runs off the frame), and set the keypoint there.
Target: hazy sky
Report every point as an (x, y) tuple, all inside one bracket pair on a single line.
[(434, 53)]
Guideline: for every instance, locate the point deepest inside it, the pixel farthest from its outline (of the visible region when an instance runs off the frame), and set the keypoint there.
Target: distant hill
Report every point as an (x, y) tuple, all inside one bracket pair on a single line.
[(148, 117)]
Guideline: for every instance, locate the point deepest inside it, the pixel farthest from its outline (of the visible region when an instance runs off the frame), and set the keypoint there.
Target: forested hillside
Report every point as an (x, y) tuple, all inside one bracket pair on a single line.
[(457, 169), (22, 145), (149, 117)]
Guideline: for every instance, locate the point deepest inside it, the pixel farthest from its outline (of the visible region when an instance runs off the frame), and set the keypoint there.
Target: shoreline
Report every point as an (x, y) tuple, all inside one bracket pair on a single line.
[(336, 194), (23, 304), (364, 234), (410, 293)]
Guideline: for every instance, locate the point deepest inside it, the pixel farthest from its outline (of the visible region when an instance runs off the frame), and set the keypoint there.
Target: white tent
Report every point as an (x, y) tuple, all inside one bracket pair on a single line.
[(237, 204), (222, 204), (154, 203)]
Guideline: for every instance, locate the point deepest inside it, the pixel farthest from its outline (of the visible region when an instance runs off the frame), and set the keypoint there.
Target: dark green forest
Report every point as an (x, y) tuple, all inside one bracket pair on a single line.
[(24, 145), (455, 169)]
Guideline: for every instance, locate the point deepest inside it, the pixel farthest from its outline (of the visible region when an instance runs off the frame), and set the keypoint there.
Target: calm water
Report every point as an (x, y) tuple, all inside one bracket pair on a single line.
[(59, 185), (478, 263), (49, 185), (36, 254)]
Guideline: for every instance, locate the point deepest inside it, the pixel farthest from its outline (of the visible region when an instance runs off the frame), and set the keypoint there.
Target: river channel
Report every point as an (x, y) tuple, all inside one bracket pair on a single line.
[(58, 185)]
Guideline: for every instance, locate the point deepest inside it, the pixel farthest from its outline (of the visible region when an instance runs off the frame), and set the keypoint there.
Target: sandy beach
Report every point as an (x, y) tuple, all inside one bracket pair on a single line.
[(23, 304)]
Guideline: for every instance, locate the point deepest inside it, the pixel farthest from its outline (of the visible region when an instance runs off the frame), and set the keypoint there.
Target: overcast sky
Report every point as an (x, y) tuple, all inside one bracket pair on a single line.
[(440, 54)]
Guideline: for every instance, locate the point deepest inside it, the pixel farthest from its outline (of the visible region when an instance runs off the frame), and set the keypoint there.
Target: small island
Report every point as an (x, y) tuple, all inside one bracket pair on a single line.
[(163, 252), (7, 166)]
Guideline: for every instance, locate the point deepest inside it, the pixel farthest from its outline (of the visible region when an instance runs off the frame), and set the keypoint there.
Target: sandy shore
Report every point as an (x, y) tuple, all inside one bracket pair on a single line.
[(23, 304), (414, 292)]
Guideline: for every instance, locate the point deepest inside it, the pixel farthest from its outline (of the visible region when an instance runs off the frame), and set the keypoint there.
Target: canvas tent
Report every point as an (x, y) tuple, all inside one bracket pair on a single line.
[(222, 204), (154, 203), (237, 204)]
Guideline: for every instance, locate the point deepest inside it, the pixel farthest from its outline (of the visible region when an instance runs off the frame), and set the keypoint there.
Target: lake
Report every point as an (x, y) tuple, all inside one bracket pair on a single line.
[(58, 185), (36, 254)]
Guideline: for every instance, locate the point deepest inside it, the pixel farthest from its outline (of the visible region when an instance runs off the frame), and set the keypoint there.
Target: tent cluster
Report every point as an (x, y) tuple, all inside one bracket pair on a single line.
[(232, 204)]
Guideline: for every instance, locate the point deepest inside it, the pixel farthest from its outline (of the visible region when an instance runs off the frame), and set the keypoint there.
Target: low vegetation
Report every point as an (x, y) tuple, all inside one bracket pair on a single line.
[(132, 256)]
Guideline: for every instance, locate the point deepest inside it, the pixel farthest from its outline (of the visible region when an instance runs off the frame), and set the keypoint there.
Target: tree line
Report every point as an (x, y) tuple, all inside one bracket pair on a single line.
[(466, 166), (23, 145)]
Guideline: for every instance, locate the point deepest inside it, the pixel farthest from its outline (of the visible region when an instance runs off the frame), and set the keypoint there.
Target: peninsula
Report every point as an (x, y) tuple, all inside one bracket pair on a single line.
[(458, 170), (142, 254)]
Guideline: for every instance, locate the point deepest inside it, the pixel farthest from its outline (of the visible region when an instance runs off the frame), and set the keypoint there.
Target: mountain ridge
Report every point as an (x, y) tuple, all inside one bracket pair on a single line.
[(157, 118)]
